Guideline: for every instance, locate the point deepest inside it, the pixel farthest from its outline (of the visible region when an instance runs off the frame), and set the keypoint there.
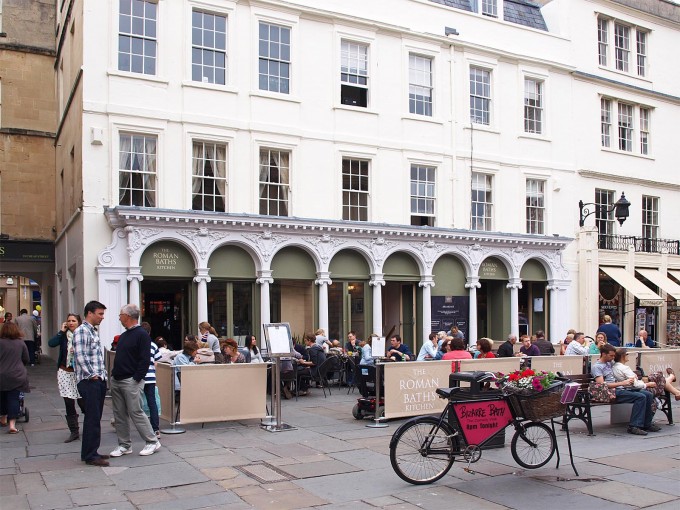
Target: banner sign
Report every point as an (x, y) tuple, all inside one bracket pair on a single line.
[(481, 420), (410, 387)]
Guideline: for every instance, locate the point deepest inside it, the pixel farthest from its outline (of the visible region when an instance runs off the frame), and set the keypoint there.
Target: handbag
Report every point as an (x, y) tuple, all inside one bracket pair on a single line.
[(600, 392)]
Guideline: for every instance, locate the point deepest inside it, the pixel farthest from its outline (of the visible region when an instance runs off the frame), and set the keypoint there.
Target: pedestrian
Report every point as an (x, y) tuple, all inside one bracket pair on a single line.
[(29, 332), (66, 375), (91, 375), (13, 375), (150, 388), (127, 384), (611, 330)]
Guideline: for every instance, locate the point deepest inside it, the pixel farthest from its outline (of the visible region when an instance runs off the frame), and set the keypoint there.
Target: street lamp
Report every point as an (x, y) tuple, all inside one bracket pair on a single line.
[(620, 207)]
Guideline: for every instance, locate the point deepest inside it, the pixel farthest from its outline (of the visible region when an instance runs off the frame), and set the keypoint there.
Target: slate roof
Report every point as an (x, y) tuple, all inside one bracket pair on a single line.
[(521, 12)]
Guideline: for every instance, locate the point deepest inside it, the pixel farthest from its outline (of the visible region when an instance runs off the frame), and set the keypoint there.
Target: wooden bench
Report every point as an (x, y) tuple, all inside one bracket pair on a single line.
[(581, 407)]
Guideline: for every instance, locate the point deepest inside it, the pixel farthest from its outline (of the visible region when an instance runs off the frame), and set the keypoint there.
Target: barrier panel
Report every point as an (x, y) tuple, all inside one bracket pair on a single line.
[(410, 387), (568, 365), (212, 393), (164, 382), (658, 360), (503, 365)]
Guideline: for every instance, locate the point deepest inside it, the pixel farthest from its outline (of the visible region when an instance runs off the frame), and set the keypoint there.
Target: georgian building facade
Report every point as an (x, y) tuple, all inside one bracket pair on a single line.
[(351, 167)]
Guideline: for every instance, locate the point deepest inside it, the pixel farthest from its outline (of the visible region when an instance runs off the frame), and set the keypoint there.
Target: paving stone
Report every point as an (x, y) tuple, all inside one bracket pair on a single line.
[(283, 499), (53, 449), (624, 493), (441, 498), (196, 489), (225, 473), (10, 471), (238, 482), (671, 505), (96, 495), (29, 483), (78, 478), (641, 462), (39, 464), (361, 459), (315, 469), (7, 485), (652, 482), (14, 502), (673, 474), (228, 459), (151, 477), (149, 496), (219, 499), (380, 502), (402, 506), (51, 500), (121, 505)]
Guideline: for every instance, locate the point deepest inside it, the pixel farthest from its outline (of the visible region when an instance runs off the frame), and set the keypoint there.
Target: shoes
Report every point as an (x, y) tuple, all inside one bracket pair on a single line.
[(653, 428), (120, 451), (102, 456), (303, 394), (12, 431), (158, 433), (98, 461), (150, 448), (287, 393), (636, 431)]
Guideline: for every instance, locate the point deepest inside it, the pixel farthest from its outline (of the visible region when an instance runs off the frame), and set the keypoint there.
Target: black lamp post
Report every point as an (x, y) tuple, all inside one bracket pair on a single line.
[(620, 207)]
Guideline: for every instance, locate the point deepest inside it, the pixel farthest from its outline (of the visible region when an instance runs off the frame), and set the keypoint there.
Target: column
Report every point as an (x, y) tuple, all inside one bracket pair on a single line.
[(377, 282), (134, 277), (473, 284), (514, 284), (323, 281), (426, 283), (559, 310), (264, 279), (202, 279)]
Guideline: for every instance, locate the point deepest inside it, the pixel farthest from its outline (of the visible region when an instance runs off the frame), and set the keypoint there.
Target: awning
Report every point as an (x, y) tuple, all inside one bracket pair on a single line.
[(633, 285), (663, 282)]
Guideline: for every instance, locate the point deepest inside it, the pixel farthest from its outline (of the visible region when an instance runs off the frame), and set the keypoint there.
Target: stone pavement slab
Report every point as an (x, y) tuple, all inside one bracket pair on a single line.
[(97, 495), (189, 503), (52, 500), (153, 477), (652, 482), (445, 498), (624, 493), (641, 462), (15, 502), (282, 499), (316, 469), (81, 477)]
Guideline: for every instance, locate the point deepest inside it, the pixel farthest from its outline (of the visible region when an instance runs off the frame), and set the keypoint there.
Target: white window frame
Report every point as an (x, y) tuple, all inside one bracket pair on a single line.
[(272, 60), (650, 217), (224, 179), (154, 41), (482, 182), (645, 129), (603, 40), (488, 8), (605, 224), (473, 97), (421, 79), (537, 119), (622, 46), (132, 132), (633, 120), (619, 40), (346, 51), (606, 122), (354, 206), (626, 126), (199, 8), (641, 38), (423, 192), (535, 206), (285, 187)]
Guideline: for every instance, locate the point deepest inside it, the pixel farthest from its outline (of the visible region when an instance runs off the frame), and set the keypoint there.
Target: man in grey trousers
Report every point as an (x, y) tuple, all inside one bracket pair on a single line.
[(127, 384)]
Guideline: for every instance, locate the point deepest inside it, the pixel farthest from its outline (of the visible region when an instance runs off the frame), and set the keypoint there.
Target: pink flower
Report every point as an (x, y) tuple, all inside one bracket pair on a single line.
[(536, 383)]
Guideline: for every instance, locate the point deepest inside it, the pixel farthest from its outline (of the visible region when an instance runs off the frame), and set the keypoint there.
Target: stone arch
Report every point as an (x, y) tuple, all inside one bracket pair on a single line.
[(167, 261), (535, 269), (248, 248), (345, 263)]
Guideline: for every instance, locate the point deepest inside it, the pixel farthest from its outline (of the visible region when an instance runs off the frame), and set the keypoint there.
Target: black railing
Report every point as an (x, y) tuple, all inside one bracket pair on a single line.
[(642, 244)]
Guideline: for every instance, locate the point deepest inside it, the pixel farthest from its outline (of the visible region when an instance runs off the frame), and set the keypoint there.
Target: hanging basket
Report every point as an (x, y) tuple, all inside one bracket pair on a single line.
[(536, 406)]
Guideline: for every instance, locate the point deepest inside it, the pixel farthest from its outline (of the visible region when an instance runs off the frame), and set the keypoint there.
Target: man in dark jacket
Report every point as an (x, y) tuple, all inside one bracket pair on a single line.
[(133, 356), (506, 349), (546, 348), (315, 354)]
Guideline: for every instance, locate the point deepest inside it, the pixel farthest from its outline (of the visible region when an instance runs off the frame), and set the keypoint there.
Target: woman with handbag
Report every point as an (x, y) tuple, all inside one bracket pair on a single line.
[(66, 377)]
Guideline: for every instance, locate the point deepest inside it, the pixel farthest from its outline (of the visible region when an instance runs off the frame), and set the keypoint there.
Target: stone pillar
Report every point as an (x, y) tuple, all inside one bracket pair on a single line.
[(514, 284), (377, 282), (323, 281), (202, 279), (264, 279), (134, 277), (559, 311), (426, 283), (473, 284), (588, 299)]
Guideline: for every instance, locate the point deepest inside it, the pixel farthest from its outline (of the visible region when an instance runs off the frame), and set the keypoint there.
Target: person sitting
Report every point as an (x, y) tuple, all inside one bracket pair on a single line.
[(186, 357), (209, 336), (429, 348), (251, 345), (444, 347), (544, 346), (352, 345), (567, 340), (399, 350), (315, 355), (205, 354), (484, 346), (528, 349), (441, 336), (287, 374), (230, 352), (577, 347), (644, 341), (640, 422), (600, 340), (366, 352), (335, 347), (623, 372), (507, 348), (321, 340), (457, 351)]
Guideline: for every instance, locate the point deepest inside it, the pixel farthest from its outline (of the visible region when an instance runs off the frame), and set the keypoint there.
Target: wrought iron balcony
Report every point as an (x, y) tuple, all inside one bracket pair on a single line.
[(642, 244)]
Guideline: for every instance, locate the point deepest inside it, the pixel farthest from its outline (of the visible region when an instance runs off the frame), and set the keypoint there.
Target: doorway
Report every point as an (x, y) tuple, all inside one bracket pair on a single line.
[(346, 310), (165, 306)]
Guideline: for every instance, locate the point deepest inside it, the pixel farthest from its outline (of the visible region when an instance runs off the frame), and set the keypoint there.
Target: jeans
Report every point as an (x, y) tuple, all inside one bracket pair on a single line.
[(150, 394), (30, 345), (126, 397), (9, 404), (641, 415), (93, 392)]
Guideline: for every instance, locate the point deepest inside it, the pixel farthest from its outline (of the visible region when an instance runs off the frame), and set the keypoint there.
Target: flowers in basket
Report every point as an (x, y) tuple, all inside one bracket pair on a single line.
[(525, 381)]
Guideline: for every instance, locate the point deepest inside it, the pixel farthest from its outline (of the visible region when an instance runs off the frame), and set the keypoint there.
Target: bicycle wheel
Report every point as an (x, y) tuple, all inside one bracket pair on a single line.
[(421, 451), (533, 445)]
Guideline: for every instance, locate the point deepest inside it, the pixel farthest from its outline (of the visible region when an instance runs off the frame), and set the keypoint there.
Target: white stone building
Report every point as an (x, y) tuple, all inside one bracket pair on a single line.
[(406, 164)]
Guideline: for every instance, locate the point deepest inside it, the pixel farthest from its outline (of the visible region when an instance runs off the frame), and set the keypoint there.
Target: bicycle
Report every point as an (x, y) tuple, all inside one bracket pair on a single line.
[(423, 449)]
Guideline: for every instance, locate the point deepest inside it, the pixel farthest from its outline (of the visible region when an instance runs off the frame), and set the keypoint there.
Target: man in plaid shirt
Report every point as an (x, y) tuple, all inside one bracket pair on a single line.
[(91, 376)]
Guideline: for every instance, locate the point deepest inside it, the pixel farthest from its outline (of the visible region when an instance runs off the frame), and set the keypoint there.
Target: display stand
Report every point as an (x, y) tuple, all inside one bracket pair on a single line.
[(270, 419), (377, 422), (174, 429), (279, 344)]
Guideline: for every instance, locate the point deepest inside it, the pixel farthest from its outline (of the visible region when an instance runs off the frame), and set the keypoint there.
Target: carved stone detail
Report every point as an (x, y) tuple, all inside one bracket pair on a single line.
[(106, 257), (429, 250), (555, 261), (203, 238), (476, 253), (325, 245), (378, 247), (266, 242), (138, 237)]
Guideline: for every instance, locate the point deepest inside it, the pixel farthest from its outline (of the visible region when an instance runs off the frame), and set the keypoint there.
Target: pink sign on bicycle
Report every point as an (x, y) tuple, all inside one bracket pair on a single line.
[(481, 420)]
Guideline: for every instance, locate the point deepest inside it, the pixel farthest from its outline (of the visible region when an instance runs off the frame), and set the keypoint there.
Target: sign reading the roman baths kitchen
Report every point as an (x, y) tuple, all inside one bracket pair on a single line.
[(410, 387), (168, 260)]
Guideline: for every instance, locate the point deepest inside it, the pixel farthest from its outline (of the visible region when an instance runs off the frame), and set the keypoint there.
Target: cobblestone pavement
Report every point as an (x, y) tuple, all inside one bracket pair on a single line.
[(330, 462)]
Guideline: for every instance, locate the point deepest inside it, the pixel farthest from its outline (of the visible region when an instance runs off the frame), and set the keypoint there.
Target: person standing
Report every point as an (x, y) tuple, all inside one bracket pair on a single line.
[(29, 331), (13, 375), (66, 376), (91, 376), (150, 388), (611, 330), (127, 384)]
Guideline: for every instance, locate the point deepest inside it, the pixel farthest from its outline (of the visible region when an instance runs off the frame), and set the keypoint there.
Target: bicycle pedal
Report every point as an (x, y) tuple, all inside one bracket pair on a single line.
[(468, 470)]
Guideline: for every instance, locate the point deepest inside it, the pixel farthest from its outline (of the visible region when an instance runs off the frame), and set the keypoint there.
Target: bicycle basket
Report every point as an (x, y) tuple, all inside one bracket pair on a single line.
[(538, 406)]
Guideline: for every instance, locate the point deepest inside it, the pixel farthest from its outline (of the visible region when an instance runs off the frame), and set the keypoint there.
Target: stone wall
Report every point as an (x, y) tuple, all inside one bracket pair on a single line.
[(29, 23)]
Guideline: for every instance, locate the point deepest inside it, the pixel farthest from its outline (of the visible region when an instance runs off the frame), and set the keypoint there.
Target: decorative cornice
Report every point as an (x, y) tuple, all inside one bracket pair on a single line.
[(378, 247), (325, 245), (266, 242), (203, 238), (138, 237), (429, 250), (592, 174)]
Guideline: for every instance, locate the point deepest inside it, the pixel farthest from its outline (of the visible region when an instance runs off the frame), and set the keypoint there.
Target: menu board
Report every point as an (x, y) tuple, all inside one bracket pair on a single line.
[(278, 338)]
